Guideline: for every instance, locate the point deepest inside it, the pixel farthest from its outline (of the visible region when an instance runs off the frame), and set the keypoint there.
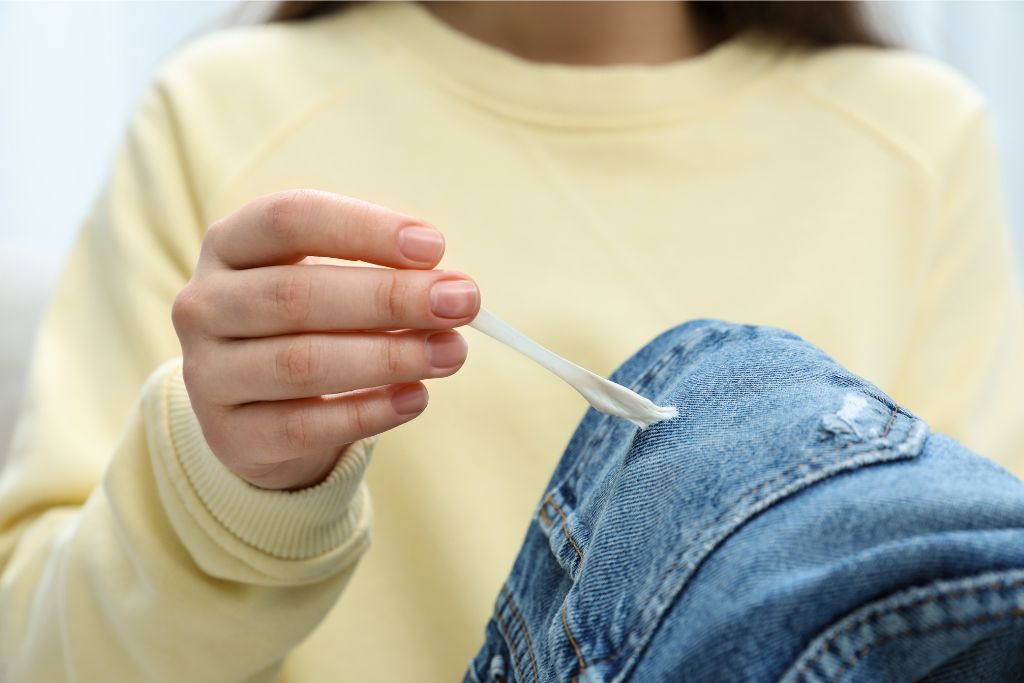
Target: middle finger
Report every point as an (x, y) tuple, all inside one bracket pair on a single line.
[(261, 302)]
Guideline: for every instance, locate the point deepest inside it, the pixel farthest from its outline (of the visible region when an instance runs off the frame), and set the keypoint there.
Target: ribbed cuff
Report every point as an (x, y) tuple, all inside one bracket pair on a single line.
[(286, 525)]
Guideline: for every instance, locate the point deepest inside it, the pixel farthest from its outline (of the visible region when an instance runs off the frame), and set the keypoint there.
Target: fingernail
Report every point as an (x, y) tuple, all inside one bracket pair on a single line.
[(409, 400), (424, 245), (454, 298), (446, 349)]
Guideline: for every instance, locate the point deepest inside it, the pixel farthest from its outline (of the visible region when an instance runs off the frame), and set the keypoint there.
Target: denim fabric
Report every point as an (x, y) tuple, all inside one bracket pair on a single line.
[(792, 524)]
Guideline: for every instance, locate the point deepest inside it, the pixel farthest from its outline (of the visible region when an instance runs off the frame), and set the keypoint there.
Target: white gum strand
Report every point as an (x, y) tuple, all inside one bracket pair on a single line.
[(606, 396)]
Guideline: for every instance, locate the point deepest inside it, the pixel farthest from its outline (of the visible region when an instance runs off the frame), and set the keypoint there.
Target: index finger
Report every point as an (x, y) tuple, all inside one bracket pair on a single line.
[(285, 227)]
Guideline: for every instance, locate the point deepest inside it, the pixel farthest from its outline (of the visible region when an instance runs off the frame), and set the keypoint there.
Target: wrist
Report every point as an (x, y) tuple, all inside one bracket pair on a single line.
[(317, 471), (266, 526), (290, 475)]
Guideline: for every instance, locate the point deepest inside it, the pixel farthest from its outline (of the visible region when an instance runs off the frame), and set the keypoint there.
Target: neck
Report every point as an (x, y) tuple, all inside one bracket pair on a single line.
[(579, 33)]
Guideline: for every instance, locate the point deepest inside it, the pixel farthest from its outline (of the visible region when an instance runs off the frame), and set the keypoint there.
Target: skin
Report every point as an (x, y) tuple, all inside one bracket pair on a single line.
[(288, 360)]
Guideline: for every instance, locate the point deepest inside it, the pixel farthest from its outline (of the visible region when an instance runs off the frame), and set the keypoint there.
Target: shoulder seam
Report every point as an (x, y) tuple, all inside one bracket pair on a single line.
[(286, 130), (898, 149), (168, 110)]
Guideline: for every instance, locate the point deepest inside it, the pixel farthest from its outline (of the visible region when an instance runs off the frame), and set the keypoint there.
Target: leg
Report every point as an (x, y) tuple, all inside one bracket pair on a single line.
[(791, 524)]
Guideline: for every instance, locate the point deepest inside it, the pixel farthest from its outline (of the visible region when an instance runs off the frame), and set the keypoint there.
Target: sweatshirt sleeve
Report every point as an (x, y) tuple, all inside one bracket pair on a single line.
[(127, 552), (966, 371)]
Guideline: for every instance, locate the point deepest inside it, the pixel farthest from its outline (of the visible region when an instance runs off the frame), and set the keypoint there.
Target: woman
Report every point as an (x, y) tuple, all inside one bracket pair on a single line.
[(599, 172)]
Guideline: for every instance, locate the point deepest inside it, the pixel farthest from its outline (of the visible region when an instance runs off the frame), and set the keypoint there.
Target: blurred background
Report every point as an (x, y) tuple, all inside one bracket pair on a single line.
[(70, 73)]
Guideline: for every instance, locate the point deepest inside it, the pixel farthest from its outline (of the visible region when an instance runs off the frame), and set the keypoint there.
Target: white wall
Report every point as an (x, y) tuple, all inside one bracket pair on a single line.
[(70, 73)]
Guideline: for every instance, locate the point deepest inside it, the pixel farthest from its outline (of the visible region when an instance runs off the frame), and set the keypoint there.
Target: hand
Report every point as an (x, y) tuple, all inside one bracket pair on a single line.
[(287, 361)]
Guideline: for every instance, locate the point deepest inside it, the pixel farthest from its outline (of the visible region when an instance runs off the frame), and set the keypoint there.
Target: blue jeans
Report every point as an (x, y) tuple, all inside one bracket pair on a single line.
[(792, 524)]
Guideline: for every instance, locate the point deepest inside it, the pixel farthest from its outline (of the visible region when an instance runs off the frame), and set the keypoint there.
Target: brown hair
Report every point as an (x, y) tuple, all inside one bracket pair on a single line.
[(811, 23)]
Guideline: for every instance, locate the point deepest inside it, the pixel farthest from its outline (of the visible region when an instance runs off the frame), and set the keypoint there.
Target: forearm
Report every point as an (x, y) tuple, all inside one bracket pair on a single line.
[(146, 571)]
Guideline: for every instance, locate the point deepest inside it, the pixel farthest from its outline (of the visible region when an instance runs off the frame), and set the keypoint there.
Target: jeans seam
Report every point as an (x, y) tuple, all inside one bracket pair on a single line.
[(754, 490), (785, 474), (794, 474), (565, 527), (870, 619), (952, 626), (544, 516), (572, 641), (652, 372), (522, 625), (892, 418), (508, 639), (788, 473)]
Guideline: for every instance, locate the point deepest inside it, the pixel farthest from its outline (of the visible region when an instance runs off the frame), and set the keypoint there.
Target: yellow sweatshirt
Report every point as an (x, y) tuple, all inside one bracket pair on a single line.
[(848, 195)]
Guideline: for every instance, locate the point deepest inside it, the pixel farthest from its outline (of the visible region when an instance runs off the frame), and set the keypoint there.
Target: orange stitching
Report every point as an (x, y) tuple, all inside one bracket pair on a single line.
[(892, 418), (504, 632), (526, 634), (1015, 612), (575, 646), (565, 527), (875, 616), (544, 515), (787, 473), (751, 493)]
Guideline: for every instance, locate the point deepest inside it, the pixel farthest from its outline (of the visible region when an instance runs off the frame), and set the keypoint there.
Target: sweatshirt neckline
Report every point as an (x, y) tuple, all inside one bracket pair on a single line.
[(561, 93)]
